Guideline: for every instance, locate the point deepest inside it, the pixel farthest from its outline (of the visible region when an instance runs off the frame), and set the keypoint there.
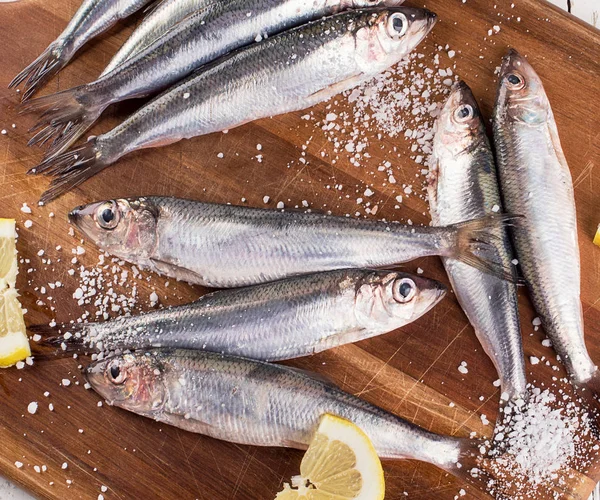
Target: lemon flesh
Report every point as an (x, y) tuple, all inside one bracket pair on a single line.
[(597, 237), (14, 345), (8, 254), (340, 464)]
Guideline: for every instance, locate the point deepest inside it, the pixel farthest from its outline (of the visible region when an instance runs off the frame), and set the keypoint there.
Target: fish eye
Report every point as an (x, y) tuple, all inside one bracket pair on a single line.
[(404, 290), (116, 374), (397, 25), (463, 113), (107, 215), (515, 81)]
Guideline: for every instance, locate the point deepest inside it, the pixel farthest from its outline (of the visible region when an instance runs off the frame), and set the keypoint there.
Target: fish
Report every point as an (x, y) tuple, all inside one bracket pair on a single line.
[(227, 246), (288, 72), (204, 36), (261, 404), (91, 19), (536, 182), (463, 185), (162, 17), (286, 319)]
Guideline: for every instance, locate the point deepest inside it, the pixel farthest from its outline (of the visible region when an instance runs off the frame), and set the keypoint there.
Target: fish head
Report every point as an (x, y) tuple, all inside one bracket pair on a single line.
[(521, 95), (130, 381), (125, 228), (390, 34), (365, 4), (458, 131), (395, 299)]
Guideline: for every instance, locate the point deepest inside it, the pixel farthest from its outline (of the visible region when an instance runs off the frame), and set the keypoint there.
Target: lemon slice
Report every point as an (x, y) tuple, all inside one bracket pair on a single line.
[(8, 252), (14, 345), (340, 464), (597, 237)]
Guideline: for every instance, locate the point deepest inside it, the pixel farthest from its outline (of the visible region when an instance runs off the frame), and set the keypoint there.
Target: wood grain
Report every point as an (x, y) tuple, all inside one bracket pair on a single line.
[(412, 372)]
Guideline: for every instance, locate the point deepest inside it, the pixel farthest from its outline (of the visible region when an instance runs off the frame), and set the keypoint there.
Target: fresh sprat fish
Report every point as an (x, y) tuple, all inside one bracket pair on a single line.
[(261, 404), (286, 319), (288, 72), (463, 185), (164, 16), (204, 36), (92, 18), (226, 246), (536, 182)]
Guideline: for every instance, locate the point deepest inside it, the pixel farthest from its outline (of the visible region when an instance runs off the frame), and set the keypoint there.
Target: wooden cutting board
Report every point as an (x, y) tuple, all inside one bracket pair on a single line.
[(412, 372)]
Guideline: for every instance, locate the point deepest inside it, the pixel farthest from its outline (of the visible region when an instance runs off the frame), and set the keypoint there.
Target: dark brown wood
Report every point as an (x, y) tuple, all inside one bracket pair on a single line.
[(412, 372)]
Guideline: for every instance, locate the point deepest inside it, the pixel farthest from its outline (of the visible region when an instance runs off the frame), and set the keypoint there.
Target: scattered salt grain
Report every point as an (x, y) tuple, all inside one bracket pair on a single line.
[(25, 209), (462, 368), (186, 95), (28, 224), (266, 199), (66, 382), (547, 343), (103, 489), (280, 205), (64, 465), (32, 407), (18, 464), (534, 360)]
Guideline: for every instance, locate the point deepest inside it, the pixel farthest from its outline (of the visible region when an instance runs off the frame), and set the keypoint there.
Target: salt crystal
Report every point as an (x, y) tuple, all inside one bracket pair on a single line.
[(451, 54), (32, 407), (66, 382), (536, 321), (28, 224), (18, 464), (534, 360), (64, 465), (280, 205), (25, 209), (463, 367), (547, 343), (186, 95)]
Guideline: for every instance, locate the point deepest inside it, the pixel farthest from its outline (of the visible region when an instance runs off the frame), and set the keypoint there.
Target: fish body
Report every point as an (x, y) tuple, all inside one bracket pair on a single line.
[(291, 71), (274, 321), (92, 18), (227, 246), (463, 185), (256, 403), (212, 31), (536, 182), (163, 17)]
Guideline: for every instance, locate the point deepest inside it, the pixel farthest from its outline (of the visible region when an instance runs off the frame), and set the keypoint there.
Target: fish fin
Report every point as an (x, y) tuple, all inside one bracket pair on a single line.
[(53, 343), (65, 116), (178, 272), (50, 62), (475, 237), (71, 168), (152, 7), (336, 88)]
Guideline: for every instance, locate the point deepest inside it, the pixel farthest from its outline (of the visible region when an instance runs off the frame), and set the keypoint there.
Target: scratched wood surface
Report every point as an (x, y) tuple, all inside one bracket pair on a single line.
[(411, 372)]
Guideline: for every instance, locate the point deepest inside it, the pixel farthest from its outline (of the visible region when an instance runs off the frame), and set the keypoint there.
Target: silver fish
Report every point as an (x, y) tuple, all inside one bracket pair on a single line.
[(92, 18), (463, 185), (282, 320), (536, 182), (204, 36), (288, 72), (163, 17), (226, 246), (261, 404)]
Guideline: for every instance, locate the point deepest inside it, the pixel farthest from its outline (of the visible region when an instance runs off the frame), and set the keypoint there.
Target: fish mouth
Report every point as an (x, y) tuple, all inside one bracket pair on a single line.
[(75, 215), (431, 19)]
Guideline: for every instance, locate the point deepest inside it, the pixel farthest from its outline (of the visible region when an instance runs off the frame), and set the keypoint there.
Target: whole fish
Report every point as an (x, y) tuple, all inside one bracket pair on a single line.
[(204, 36), (288, 72), (92, 18), (463, 185), (251, 402), (536, 182), (164, 16), (282, 320), (227, 246)]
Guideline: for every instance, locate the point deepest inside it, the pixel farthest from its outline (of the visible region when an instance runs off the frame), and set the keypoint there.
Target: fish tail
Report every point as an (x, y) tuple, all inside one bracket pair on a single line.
[(50, 62), (65, 116), (54, 343), (71, 168), (474, 244)]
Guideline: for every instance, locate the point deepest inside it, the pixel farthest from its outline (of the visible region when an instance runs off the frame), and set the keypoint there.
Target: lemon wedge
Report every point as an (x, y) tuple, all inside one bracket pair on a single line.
[(597, 237), (8, 253), (340, 463), (14, 345)]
